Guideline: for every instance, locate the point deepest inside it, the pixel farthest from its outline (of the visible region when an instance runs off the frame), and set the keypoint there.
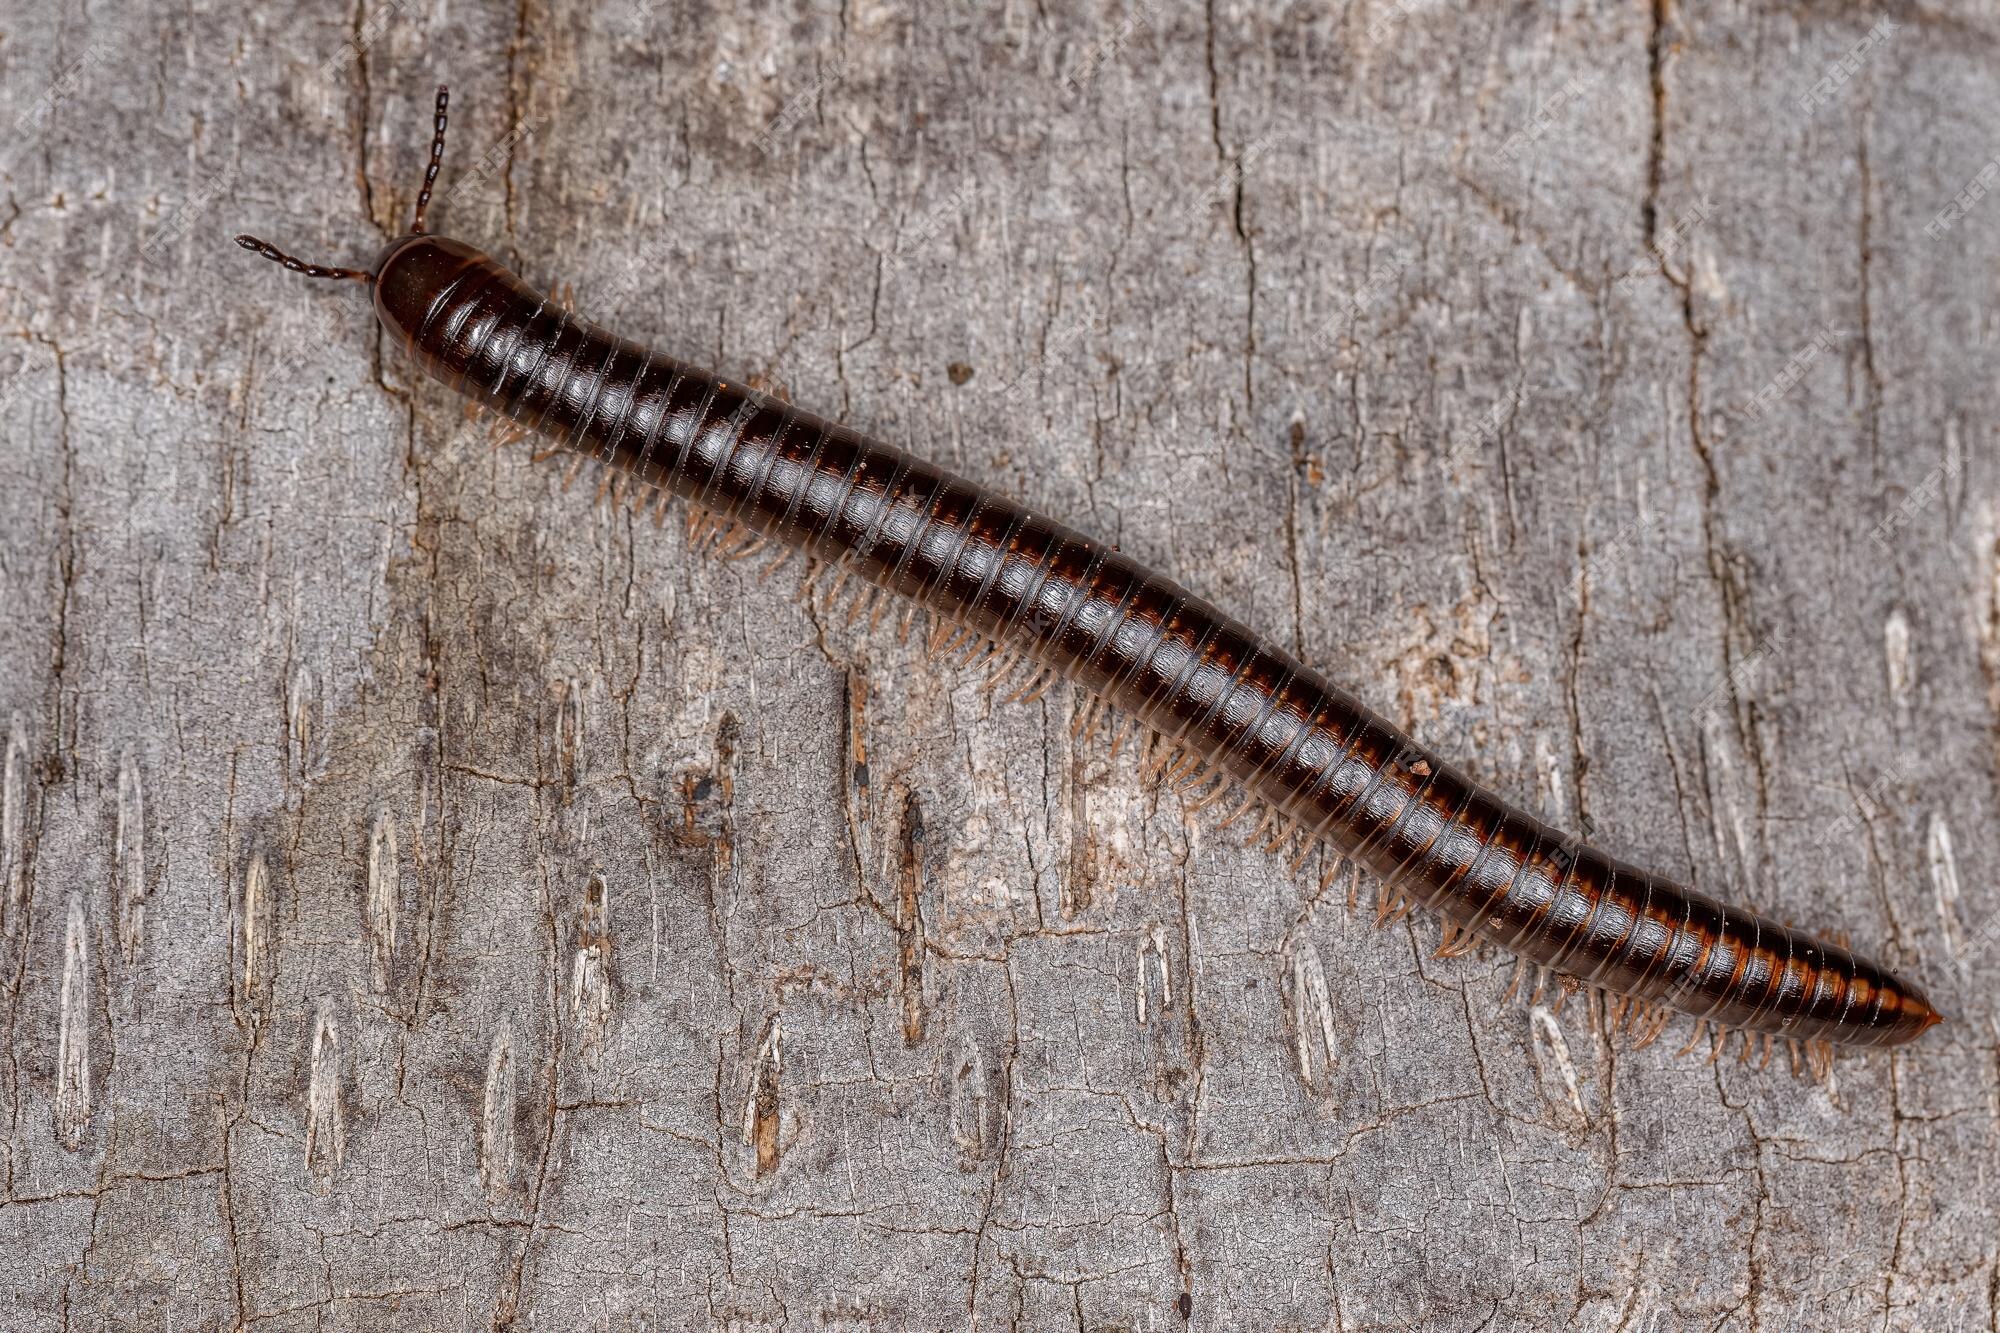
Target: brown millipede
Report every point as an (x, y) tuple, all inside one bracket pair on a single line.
[(1224, 709)]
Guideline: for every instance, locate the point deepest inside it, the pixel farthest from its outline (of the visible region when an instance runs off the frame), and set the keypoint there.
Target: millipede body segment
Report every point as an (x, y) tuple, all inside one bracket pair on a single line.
[(1231, 708)]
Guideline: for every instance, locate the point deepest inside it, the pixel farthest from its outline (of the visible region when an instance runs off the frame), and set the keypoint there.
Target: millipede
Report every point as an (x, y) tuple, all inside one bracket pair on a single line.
[(1238, 724)]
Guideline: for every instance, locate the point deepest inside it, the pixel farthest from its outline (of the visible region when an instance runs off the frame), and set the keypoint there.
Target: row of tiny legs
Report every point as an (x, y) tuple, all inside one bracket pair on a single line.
[(1205, 789)]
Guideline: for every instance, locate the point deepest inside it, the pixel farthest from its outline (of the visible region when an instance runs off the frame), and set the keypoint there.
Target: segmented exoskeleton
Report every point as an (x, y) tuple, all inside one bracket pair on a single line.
[(1226, 709)]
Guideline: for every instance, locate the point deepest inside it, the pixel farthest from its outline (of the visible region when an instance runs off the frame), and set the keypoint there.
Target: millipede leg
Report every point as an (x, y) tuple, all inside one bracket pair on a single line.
[(747, 549), (839, 582), (1242, 808), (1010, 664), (948, 637), (1041, 682), (862, 604), (806, 582), (990, 652), (1081, 718), (1005, 664), (1021, 691), (1447, 937), (975, 648), (959, 638), (785, 554), (1700, 1027), (1332, 873), (1209, 797), (1462, 942)]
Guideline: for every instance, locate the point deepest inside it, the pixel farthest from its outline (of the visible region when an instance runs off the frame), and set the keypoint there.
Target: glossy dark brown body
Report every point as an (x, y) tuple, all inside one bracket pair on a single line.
[(1142, 643)]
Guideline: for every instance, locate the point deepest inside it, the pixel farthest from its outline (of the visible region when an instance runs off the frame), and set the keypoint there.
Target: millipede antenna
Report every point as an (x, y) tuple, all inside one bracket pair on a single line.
[(437, 160), (277, 256)]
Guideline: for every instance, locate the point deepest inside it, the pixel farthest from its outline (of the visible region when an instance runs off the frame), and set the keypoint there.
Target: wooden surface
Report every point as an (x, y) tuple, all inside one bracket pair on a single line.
[(431, 901)]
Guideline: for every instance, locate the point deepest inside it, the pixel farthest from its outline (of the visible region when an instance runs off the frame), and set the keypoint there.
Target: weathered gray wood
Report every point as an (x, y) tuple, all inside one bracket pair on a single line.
[(433, 901)]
